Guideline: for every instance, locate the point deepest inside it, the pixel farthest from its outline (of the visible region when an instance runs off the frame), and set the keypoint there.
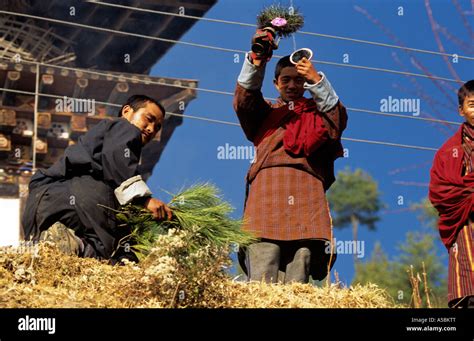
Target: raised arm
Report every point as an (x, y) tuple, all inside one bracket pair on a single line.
[(249, 104), (333, 112), (327, 102)]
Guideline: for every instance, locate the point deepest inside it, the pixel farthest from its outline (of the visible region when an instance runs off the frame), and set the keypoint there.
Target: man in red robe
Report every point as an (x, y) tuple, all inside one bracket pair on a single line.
[(297, 140), (452, 194)]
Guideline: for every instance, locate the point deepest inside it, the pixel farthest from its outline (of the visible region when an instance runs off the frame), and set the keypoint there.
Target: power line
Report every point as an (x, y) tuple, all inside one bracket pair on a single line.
[(434, 120), (231, 123), (221, 92), (390, 144), (108, 30), (300, 32)]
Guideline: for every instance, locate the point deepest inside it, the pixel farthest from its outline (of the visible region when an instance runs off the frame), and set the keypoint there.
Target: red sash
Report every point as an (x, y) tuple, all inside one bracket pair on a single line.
[(305, 129)]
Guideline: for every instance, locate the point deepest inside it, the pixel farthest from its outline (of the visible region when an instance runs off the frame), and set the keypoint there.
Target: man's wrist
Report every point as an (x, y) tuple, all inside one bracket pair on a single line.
[(314, 79), (257, 62), (252, 57), (142, 201)]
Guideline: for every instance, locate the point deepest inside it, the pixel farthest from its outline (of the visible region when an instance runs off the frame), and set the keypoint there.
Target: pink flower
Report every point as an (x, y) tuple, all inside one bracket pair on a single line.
[(278, 22)]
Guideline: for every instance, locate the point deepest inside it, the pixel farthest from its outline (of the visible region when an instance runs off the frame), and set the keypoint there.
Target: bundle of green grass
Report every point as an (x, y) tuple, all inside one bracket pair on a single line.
[(199, 210)]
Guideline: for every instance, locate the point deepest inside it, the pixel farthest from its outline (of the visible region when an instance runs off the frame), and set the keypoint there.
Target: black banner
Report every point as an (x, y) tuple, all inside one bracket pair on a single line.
[(137, 324)]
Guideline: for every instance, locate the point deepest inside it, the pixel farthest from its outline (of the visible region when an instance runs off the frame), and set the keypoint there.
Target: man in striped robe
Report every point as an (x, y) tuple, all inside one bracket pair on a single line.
[(297, 140), (452, 194)]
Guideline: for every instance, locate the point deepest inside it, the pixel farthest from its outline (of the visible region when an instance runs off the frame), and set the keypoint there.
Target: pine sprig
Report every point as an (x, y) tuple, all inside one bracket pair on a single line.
[(198, 209), (294, 19)]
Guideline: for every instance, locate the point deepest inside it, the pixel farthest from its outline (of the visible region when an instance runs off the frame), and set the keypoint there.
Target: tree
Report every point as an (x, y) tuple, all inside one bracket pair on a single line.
[(419, 247), (378, 270), (393, 275), (428, 214), (354, 199)]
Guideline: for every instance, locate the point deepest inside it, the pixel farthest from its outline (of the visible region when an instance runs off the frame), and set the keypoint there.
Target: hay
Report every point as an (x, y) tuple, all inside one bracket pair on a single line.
[(164, 279)]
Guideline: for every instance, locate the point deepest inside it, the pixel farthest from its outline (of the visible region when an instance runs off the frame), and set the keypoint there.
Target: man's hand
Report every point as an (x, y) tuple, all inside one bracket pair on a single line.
[(306, 69), (158, 208), (257, 62), (264, 39)]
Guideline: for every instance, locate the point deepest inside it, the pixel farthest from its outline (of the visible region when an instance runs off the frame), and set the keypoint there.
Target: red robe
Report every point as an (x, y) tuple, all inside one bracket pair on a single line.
[(451, 193)]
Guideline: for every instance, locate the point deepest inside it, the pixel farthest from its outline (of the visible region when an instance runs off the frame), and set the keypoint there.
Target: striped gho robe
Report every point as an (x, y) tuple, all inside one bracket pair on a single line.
[(452, 194), (294, 163)]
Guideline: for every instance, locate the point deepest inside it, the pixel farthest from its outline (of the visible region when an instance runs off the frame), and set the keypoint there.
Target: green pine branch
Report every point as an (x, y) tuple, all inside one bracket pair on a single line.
[(198, 209)]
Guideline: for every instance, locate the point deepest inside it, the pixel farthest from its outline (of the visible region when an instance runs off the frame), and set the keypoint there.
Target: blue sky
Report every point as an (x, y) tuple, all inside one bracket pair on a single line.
[(191, 155)]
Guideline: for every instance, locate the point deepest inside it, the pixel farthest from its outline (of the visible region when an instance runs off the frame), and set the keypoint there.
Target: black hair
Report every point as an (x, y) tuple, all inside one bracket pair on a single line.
[(282, 63), (465, 90), (139, 101)]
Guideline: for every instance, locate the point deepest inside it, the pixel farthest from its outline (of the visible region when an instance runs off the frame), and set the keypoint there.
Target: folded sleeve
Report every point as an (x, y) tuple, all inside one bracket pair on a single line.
[(131, 189), (323, 93)]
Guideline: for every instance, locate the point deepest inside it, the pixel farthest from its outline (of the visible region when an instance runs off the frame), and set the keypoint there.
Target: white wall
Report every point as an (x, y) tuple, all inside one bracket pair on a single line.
[(9, 221)]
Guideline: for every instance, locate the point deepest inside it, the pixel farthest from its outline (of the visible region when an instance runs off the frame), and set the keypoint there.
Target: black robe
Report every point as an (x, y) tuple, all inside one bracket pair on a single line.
[(86, 175)]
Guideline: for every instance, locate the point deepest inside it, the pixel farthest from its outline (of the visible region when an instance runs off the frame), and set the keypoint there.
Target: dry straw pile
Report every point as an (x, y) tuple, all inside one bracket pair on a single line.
[(164, 279)]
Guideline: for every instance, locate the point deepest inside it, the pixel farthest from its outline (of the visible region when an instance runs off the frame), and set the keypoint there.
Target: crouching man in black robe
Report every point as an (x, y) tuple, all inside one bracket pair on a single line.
[(101, 169)]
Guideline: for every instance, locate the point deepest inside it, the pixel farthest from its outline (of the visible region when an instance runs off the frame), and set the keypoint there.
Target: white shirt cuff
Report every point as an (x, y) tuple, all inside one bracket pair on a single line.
[(322, 93), (130, 189), (251, 76)]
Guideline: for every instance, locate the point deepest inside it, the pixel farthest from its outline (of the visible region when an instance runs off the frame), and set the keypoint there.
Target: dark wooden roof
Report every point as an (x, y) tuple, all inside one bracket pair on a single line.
[(105, 51), (70, 46)]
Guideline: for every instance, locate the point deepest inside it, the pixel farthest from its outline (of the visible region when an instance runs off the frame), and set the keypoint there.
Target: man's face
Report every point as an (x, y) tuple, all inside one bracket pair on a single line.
[(149, 119), (466, 110), (290, 84)]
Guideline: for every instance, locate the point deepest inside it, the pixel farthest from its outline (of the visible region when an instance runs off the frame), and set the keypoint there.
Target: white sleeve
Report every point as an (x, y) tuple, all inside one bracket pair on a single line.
[(130, 189), (251, 76), (323, 93)]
